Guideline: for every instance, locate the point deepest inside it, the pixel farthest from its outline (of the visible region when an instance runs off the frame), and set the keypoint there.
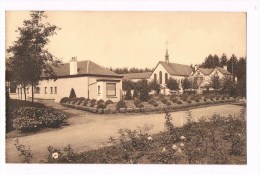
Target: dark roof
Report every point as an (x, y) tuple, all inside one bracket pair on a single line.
[(142, 75), (223, 71), (84, 68), (177, 69), (207, 71)]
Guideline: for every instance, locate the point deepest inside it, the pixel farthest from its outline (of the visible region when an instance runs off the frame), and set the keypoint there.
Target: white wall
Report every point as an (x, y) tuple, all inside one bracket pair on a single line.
[(79, 84)]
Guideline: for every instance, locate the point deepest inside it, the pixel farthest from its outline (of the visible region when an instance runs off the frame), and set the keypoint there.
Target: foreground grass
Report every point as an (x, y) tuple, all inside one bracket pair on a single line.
[(218, 140)]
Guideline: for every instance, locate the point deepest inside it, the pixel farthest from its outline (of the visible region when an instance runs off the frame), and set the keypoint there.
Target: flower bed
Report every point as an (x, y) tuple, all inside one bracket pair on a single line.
[(153, 105), (217, 140), (29, 119)]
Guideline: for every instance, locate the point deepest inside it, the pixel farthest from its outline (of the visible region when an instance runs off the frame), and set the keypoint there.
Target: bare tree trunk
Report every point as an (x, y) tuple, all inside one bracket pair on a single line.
[(24, 90), (32, 93), (21, 93)]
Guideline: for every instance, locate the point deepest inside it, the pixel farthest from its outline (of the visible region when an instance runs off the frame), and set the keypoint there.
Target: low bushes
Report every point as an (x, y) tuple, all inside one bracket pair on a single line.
[(120, 104), (28, 119), (156, 103)]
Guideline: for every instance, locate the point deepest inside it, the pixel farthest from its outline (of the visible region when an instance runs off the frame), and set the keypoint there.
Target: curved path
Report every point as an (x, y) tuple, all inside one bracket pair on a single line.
[(86, 131)]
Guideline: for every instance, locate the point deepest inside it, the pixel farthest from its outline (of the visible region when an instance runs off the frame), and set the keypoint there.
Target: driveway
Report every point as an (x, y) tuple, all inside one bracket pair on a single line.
[(87, 131)]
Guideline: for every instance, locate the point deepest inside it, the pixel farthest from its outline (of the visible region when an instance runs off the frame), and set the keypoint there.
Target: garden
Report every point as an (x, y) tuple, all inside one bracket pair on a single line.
[(26, 116), (155, 104), (214, 140)]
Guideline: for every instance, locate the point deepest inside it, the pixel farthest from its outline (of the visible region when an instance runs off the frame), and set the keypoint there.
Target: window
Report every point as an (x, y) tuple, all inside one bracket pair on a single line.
[(51, 90), (55, 90), (98, 89), (155, 77), (37, 90), (111, 89), (160, 77), (216, 74), (166, 77), (201, 79), (45, 90)]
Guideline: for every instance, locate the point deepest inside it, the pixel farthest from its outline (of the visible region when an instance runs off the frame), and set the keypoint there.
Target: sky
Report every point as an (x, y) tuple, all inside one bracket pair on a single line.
[(138, 39)]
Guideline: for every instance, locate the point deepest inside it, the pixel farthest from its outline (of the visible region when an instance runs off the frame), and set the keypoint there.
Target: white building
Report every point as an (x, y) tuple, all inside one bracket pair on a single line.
[(88, 80)]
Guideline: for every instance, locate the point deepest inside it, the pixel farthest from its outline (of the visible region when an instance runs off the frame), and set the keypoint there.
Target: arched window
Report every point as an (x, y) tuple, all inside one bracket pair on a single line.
[(160, 77), (155, 77), (166, 77), (216, 74)]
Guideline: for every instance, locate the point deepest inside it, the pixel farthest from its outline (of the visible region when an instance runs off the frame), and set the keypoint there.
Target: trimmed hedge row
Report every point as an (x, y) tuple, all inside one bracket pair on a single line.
[(140, 108)]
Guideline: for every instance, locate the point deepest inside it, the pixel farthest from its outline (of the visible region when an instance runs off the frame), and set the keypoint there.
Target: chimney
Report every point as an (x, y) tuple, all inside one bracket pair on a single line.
[(225, 67), (196, 67), (73, 66)]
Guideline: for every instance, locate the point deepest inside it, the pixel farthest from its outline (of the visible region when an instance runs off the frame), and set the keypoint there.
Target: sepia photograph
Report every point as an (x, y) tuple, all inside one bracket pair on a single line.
[(118, 87)]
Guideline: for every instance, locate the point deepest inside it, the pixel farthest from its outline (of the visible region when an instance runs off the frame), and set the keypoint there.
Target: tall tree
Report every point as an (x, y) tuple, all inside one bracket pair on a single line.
[(223, 60), (227, 85), (29, 56), (216, 61), (232, 66)]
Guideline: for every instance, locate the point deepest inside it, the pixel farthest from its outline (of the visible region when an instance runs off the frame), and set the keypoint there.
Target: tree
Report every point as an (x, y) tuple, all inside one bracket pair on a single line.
[(172, 84), (72, 93), (232, 66), (227, 85), (194, 83), (216, 60), (128, 95), (186, 84), (154, 85), (215, 82), (135, 94), (127, 84), (29, 57), (144, 90), (223, 60)]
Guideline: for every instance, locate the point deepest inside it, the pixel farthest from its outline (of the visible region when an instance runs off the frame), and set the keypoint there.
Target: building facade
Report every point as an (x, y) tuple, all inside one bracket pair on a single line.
[(88, 80)]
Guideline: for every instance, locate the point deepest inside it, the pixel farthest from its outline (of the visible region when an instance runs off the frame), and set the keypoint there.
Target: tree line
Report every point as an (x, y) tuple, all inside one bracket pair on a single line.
[(126, 70)]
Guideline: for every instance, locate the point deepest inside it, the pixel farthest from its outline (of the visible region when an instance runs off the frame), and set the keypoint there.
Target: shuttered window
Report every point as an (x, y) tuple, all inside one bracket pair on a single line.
[(111, 89)]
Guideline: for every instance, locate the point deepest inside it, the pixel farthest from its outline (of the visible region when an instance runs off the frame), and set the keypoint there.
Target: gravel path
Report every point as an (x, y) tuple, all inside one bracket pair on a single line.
[(86, 131)]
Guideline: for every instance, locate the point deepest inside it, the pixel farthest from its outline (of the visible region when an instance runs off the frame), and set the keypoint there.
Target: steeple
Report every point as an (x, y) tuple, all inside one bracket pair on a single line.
[(166, 54)]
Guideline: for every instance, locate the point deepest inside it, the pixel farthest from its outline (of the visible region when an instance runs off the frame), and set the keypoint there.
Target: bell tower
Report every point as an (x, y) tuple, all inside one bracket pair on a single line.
[(167, 54)]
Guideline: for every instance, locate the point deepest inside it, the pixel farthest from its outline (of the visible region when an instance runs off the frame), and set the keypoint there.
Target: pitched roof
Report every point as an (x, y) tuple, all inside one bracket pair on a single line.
[(84, 68), (177, 69), (143, 75), (207, 71), (223, 71)]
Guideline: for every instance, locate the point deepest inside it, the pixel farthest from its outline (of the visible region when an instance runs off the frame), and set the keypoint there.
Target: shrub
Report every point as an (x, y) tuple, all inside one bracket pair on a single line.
[(85, 102), (92, 104), (164, 100), (28, 119), (93, 101), (155, 104), (188, 101), (101, 105), (174, 100), (151, 101), (128, 95), (140, 105), (100, 101), (137, 102), (197, 99), (179, 102), (109, 102), (64, 100), (120, 104), (168, 103), (72, 93), (74, 100), (81, 99)]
